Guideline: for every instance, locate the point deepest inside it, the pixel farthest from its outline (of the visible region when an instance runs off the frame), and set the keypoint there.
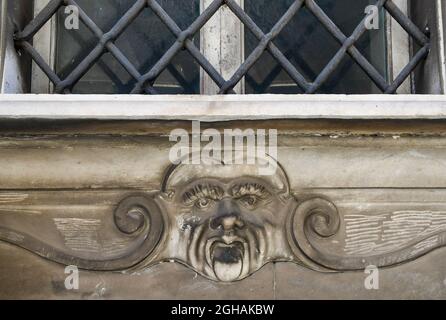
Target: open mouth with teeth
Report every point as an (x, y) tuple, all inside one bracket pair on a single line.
[(227, 260)]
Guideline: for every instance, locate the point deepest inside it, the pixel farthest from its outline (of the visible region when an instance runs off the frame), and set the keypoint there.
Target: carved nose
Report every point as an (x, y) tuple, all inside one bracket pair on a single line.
[(228, 216)]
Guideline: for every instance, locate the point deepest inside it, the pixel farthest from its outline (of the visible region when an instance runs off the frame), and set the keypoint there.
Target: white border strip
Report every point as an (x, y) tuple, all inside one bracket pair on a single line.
[(3, 26), (441, 46), (222, 108)]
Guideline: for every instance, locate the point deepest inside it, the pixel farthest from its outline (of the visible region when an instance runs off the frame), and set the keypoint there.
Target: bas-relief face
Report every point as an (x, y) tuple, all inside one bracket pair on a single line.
[(230, 222), (228, 227)]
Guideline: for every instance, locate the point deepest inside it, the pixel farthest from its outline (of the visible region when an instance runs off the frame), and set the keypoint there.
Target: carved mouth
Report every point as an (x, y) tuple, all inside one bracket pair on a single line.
[(227, 260)]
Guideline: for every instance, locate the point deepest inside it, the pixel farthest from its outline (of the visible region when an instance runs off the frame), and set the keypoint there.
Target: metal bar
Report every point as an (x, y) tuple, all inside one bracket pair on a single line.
[(272, 49), (189, 45), (357, 56), (177, 46), (39, 61), (258, 51), (406, 23), (419, 56), (183, 41), (34, 26), (105, 42)]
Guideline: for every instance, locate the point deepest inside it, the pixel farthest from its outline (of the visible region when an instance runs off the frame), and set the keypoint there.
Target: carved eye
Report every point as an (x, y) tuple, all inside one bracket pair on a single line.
[(203, 203), (249, 201)]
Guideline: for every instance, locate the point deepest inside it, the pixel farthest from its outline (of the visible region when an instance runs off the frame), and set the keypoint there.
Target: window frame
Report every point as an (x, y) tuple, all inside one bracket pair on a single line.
[(440, 31), (398, 49), (45, 43), (3, 26)]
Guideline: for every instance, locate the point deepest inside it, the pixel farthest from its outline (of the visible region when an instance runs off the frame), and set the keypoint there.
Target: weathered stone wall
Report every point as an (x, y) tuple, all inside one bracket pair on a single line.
[(104, 196)]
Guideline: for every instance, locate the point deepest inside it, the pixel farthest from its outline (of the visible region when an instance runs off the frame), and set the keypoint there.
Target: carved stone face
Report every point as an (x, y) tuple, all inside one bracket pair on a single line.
[(228, 224)]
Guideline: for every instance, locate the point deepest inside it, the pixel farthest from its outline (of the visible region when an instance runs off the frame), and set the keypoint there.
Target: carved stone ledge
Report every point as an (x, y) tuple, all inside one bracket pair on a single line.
[(223, 221)]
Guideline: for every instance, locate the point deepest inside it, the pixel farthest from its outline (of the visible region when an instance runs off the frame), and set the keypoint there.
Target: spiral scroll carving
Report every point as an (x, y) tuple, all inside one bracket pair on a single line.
[(138, 228), (133, 214), (320, 217), (323, 240), (314, 221)]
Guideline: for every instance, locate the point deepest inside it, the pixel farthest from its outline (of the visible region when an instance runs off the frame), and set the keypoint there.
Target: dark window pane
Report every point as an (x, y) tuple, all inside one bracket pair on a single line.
[(144, 42), (310, 47)]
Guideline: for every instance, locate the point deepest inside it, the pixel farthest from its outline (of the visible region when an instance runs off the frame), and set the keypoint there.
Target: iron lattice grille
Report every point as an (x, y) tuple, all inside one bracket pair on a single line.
[(144, 82)]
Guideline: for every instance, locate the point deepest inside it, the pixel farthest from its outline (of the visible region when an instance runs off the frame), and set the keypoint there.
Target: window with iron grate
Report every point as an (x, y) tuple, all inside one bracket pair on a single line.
[(143, 42), (223, 46)]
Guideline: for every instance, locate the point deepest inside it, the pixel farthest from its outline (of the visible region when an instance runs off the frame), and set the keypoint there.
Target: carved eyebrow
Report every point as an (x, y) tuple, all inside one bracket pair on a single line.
[(255, 189), (202, 191)]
